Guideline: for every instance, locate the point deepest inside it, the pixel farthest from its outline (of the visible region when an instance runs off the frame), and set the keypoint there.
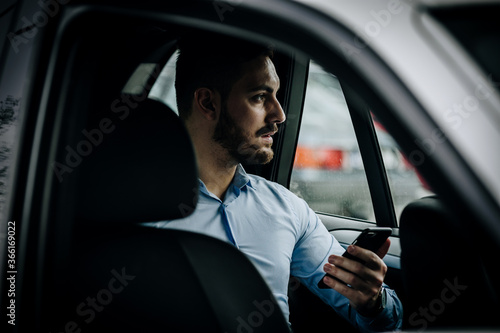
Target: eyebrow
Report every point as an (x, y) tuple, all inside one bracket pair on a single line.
[(264, 87)]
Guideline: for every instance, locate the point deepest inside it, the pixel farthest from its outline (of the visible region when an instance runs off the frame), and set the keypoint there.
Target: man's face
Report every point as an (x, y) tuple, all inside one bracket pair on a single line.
[(250, 115)]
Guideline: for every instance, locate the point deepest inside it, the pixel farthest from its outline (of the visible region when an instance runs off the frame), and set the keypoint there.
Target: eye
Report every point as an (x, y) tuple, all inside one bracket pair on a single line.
[(259, 97)]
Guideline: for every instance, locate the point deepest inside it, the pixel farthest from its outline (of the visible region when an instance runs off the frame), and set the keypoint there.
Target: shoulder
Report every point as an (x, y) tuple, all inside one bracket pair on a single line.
[(259, 184), (305, 220), (263, 186)]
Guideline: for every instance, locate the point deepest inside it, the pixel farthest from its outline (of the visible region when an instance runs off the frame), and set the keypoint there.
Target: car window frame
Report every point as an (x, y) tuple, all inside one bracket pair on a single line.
[(371, 154)]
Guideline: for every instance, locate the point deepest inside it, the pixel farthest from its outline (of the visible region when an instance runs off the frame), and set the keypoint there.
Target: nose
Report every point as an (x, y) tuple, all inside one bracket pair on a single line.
[(276, 114)]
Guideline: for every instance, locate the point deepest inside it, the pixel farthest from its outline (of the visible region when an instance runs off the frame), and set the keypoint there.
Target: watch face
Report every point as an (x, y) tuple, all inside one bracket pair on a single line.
[(383, 299)]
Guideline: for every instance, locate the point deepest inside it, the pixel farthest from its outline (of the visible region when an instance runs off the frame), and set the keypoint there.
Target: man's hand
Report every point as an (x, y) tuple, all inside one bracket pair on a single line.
[(364, 280)]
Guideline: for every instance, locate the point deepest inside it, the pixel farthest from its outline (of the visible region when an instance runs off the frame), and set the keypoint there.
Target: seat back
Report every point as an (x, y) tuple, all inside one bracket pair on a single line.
[(122, 276), (445, 281)]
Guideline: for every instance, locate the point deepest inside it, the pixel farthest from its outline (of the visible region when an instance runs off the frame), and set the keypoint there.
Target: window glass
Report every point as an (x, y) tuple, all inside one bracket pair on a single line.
[(328, 171), (5, 18), (12, 87), (164, 88), (405, 183)]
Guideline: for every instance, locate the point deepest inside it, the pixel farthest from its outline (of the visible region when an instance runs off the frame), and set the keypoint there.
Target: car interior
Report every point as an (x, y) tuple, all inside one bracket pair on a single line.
[(160, 271), (458, 285), (111, 157)]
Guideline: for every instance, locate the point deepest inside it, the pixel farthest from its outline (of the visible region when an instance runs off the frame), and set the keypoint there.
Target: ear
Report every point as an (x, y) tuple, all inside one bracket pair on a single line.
[(206, 101)]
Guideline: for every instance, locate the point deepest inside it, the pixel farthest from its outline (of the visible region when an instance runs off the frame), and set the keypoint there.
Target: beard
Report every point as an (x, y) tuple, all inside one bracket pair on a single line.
[(233, 138)]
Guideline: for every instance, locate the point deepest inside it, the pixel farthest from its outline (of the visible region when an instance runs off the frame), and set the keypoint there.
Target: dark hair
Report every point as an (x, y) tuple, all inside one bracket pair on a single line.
[(211, 61)]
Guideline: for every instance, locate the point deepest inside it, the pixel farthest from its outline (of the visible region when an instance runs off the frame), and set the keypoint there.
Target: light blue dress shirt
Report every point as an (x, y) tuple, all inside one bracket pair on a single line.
[(282, 236)]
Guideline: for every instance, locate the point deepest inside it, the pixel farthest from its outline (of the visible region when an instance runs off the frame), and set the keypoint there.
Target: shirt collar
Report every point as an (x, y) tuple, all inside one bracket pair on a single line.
[(240, 180)]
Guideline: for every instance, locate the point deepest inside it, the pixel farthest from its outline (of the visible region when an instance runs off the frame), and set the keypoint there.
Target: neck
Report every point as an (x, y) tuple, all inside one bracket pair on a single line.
[(217, 179), (215, 166)]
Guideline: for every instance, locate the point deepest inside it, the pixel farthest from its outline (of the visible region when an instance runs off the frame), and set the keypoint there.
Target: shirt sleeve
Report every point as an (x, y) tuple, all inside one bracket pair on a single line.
[(311, 252)]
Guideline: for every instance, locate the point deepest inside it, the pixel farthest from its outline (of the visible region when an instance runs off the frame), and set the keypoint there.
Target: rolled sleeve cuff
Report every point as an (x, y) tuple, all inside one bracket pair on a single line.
[(389, 319)]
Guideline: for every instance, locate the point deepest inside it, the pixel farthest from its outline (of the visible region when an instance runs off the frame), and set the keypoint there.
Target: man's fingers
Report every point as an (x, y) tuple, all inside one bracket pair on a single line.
[(341, 274), (339, 286), (354, 295), (371, 259), (347, 265), (365, 278), (355, 275), (384, 249)]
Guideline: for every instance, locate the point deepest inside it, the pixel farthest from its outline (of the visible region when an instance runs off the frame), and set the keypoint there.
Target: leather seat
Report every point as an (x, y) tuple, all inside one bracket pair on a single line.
[(124, 277), (446, 284)]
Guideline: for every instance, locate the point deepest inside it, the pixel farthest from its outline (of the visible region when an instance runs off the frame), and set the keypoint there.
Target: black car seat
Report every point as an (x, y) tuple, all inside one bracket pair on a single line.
[(445, 281), (124, 277)]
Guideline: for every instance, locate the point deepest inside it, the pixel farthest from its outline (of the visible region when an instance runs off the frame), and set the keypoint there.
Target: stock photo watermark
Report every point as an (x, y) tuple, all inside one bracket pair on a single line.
[(455, 115), (436, 307), (88, 309), (381, 18), (463, 109), (263, 310), (223, 7), (121, 108), (255, 319), (11, 272), (48, 10)]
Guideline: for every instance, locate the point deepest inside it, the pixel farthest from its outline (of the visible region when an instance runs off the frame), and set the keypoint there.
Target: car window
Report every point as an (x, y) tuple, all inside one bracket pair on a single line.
[(405, 183), (12, 88), (164, 88), (5, 17), (9, 107), (328, 171)]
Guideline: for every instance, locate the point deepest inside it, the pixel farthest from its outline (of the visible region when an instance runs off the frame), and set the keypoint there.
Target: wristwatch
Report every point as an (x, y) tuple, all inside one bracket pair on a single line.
[(380, 304)]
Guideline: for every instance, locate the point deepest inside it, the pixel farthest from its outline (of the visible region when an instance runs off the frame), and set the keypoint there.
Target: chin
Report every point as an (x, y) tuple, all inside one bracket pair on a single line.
[(261, 156)]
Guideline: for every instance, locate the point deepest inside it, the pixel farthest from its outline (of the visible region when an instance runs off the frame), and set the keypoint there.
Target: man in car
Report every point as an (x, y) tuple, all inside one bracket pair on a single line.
[(226, 95)]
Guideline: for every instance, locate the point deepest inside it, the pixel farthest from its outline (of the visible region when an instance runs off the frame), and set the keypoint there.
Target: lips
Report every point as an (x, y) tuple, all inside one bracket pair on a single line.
[(269, 134), (269, 130), (267, 138)]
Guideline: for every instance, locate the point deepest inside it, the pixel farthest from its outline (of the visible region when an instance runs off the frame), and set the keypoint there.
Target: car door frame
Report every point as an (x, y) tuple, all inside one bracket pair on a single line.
[(368, 66)]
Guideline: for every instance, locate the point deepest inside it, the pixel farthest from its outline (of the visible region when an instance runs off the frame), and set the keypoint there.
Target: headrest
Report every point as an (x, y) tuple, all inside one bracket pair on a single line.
[(143, 170)]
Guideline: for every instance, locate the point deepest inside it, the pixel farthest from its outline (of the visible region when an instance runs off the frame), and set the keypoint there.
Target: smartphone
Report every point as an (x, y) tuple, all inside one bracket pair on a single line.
[(371, 239)]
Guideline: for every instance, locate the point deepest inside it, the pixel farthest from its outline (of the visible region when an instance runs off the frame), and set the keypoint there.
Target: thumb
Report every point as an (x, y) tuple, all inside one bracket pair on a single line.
[(382, 251)]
